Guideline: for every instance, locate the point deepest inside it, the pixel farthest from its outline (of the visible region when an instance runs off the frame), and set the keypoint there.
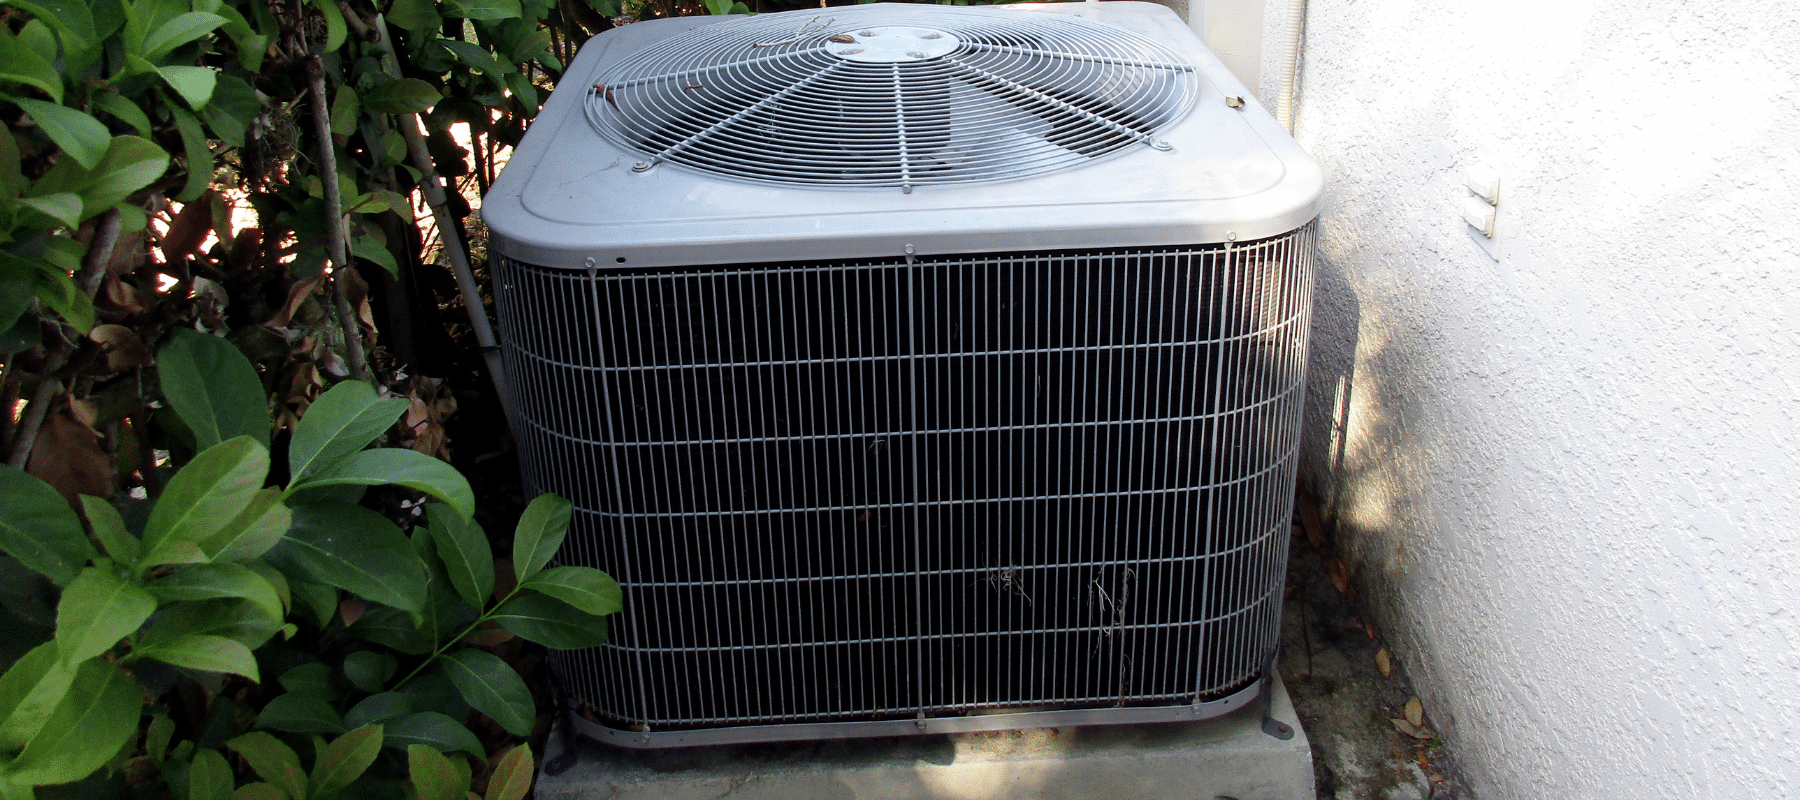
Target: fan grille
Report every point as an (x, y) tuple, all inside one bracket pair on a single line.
[(893, 96)]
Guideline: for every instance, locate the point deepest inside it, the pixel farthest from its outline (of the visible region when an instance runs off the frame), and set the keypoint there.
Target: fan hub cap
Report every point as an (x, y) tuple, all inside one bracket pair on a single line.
[(893, 44)]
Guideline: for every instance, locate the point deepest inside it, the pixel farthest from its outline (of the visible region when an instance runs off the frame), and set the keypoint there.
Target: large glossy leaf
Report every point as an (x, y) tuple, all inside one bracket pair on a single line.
[(334, 23), (253, 531), (19, 64), (29, 692), (203, 652), (38, 528), (213, 387), (207, 581), (408, 468), (205, 499), (93, 721), (540, 533), (97, 610), (370, 671), (313, 679), (109, 528), (84, 138), (492, 687), (198, 155), (130, 164), (209, 776), (300, 713), (354, 549), (432, 774), (482, 9), (123, 110), (463, 547), (378, 708), (238, 620), (402, 96), (69, 18), (345, 419), (551, 623), (415, 15), (394, 628), (434, 729), (194, 84), (585, 588), (273, 760), (179, 31), (63, 208), (345, 760), (512, 776)]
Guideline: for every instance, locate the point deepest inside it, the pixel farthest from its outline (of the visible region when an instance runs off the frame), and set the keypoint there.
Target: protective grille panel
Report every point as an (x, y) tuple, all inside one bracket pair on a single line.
[(861, 491), (895, 96)]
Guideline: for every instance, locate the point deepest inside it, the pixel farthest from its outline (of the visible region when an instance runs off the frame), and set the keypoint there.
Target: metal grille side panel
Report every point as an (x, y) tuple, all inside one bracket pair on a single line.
[(866, 491)]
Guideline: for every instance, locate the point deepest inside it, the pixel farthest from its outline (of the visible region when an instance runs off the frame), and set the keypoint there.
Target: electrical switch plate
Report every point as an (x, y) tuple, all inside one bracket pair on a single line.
[(1480, 215), (1484, 181)]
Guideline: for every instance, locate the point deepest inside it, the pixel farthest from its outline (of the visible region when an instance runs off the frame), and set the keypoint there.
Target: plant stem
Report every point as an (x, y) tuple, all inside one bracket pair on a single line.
[(334, 220), (451, 642), (433, 187), (93, 268)]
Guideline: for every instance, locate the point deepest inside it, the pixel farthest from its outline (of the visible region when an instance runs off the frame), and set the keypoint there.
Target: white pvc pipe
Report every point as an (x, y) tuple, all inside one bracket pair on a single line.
[(1290, 63)]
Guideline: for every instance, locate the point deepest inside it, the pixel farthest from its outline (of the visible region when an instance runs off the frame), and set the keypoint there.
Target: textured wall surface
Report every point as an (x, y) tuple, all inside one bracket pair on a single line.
[(1567, 479)]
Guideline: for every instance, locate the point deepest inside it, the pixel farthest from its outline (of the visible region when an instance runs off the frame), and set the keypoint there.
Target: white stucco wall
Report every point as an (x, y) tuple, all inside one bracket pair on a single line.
[(1567, 478)]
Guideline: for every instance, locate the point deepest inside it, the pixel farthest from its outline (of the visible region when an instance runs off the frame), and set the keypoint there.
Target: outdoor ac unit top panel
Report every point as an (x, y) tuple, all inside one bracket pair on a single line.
[(1098, 125)]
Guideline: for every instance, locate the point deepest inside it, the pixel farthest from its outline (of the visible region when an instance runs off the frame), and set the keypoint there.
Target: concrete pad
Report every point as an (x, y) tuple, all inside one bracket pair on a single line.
[(1227, 757)]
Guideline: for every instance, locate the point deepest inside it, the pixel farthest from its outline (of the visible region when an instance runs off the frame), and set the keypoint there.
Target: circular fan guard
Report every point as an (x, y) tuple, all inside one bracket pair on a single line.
[(893, 96)]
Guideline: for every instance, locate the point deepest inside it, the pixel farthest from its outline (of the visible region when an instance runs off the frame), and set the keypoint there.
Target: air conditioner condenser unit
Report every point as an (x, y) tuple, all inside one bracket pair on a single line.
[(913, 368)]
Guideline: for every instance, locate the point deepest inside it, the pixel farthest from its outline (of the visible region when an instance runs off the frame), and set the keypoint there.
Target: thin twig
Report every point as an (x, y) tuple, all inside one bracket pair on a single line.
[(433, 187), (93, 268), (338, 238), (805, 29)]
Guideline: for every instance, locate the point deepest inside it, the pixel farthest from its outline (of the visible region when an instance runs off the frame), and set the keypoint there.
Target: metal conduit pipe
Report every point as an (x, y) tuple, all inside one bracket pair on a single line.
[(1290, 64)]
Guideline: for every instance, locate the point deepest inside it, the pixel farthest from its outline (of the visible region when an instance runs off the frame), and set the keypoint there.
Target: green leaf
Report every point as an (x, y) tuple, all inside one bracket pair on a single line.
[(334, 23), (366, 247), (209, 776), (491, 687), (417, 16), (253, 531), (310, 679), (130, 164), (12, 179), (63, 207), (408, 468), (299, 713), (96, 611), (194, 84), (551, 623), (394, 628), (38, 528), (180, 31), (198, 156), (343, 111), (463, 547), (20, 65), (202, 652), (238, 620), (540, 533), (432, 774), (261, 790), (224, 579), (214, 388), (273, 760), (157, 736), (78, 134), (354, 549), (123, 110), (233, 107), (109, 528), (402, 96), (342, 421), (477, 57), (69, 18), (585, 588), (345, 760), (318, 598), (380, 707), (91, 724), (512, 776), (482, 9), (433, 729), (29, 692), (370, 671), (205, 499)]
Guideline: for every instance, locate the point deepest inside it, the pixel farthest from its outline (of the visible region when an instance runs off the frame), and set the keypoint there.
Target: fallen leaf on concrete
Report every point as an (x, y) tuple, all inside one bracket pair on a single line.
[(1369, 629), (1384, 663), (1338, 575), (1412, 730), (1415, 712), (1309, 518)]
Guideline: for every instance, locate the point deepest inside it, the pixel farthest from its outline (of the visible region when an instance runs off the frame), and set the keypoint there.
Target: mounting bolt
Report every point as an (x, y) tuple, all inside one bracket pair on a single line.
[(1163, 145), (909, 249), (1231, 236), (590, 262), (914, 54), (932, 35), (641, 166), (864, 33)]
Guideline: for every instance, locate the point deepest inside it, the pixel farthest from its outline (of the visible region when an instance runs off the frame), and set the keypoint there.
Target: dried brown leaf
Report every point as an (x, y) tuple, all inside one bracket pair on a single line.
[(1309, 518), (1384, 663), (1338, 575), (67, 455), (842, 38), (128, 254), (123, 347), (297, 294), (356, 290), (187, 230), (1415, 712), (119, 297), (351, 609), (1369, 629), (1412, 730), (245, 247)]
